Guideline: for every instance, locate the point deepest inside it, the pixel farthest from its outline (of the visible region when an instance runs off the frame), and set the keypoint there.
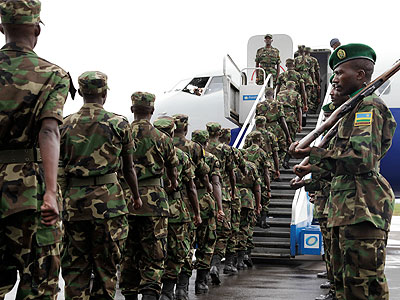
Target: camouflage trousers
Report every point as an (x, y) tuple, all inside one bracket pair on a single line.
[(187, 267), (247, 223), (178, 247), (326, 237), (358, 262), (145, 252), (268, 70), (92, 247), (232, 243), (265, 200), (277, 130), (313, 100), (33, 250), (206, 237), (293, 127), (224, 230)]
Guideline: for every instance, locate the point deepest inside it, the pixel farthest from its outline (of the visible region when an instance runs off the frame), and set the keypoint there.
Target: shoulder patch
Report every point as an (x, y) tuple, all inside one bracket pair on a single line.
[(363, 119)]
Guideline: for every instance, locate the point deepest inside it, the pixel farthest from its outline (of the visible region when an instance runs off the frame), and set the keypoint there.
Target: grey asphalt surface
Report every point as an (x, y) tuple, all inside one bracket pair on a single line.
[(286, 279)]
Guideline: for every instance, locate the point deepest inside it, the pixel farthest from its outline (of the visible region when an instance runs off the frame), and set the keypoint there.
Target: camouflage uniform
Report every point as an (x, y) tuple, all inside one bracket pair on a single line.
[(291, 102), (304, 67), (268, 59), (179, 218), (92, 142), (145, 251), (313, 102), (31, 90), (361, 200), (272, 110), (290, 75)]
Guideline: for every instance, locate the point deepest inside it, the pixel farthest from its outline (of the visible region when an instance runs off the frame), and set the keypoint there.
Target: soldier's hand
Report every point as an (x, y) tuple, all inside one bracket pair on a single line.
[(137, 203), (289, 140), (173, 185), (300, 129), (257, 210), (305, 109), (49, 209), (269, 195), (294, 184), (298, 153), (221, 216), (209, 188), (277, 174), (302, 171), (197, 220)]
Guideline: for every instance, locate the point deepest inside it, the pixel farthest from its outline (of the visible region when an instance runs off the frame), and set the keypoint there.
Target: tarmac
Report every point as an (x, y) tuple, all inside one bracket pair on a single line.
[(284, 279)]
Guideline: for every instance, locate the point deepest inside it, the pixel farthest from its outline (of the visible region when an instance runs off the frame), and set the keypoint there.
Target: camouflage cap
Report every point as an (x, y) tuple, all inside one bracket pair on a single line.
[(143, 98), (260, 120), (180, 120), (269, 91), (255, 135), (213, 127), (290, 61), (165, 124), (290, 83), (225, 133), (268, 35), (92, 82), (200, 136), (20, 11)]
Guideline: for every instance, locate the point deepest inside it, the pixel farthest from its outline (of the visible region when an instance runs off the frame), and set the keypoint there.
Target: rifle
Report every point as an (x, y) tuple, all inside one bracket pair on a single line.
[(347, 107)]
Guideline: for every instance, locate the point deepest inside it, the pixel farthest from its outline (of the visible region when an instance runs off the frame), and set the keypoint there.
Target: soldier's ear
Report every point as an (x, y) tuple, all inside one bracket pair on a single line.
[(38, 29)]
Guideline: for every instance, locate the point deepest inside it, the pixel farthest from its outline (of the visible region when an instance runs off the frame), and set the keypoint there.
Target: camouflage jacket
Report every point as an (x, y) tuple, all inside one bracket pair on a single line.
[(304, 66), (320, 184), (31, 89), (257, 155), (178, 210), (246, 184), (358, 191), (314, 63), (272, 110), (268, 57), (290, 75), (152, 154), (92, 142), (292, 104)]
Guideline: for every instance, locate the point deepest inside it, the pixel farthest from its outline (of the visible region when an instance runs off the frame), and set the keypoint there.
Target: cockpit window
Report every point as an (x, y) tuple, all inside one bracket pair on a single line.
[(196, 86), (215, 85)]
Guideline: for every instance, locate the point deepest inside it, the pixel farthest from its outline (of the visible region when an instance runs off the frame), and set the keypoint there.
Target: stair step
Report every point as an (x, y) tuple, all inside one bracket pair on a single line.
[(270, 253), (279, 222), (271, 242), (287, 204)]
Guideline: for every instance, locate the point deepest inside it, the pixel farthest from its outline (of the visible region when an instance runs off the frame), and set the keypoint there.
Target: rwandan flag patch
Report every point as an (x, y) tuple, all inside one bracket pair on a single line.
[(363, 119)]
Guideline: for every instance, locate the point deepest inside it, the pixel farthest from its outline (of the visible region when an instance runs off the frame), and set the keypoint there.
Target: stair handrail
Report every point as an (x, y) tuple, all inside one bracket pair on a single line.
[(248, 124)]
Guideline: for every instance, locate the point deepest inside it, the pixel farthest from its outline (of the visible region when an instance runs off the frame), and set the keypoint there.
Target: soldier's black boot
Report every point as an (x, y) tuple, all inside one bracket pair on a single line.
[(247, 258), (229, 267), (182, 287), (285, 163), (240, 263), (167, 291), (263, 220), (200, 284), (149, 295), (214, 271)]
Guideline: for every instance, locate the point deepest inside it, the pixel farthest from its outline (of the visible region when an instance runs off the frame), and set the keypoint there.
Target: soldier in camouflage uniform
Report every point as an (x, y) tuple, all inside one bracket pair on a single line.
[(32, 96), (304, 66), (93, 141), (361, 201), (292, 108), (178, 246), (292, 75), (145, 251), (268, 59), (249, 185), (269, 144), (224, 229), (273, 112), (257, 155), (196, 155), (206, 233), (316, 95)]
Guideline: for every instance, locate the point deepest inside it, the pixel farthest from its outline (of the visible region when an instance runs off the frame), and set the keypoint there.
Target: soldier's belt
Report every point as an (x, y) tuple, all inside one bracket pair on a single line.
[(93, 180), (154, 181), (20, 156)]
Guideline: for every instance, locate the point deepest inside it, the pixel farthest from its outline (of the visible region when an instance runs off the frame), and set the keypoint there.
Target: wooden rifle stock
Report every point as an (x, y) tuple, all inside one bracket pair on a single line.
[(347, 107)]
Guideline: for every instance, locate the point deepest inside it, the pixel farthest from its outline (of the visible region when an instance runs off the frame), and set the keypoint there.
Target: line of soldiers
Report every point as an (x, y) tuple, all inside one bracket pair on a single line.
[(353, 202)]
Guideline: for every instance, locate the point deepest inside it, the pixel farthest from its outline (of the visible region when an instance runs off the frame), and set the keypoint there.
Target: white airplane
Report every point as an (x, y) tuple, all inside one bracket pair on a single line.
[(229, 97)]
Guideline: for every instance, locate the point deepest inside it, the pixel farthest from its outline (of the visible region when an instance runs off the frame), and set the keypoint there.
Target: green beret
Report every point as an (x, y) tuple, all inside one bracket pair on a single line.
[(143, 98), (200, 136), (290, 61), (92, 82), (254, 135), (165, 124), (348, 52), (225, 133), (268, 36), (260, 120), (180, 120), (213, 127), (331, 78), (20, 11), (330, 107)]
